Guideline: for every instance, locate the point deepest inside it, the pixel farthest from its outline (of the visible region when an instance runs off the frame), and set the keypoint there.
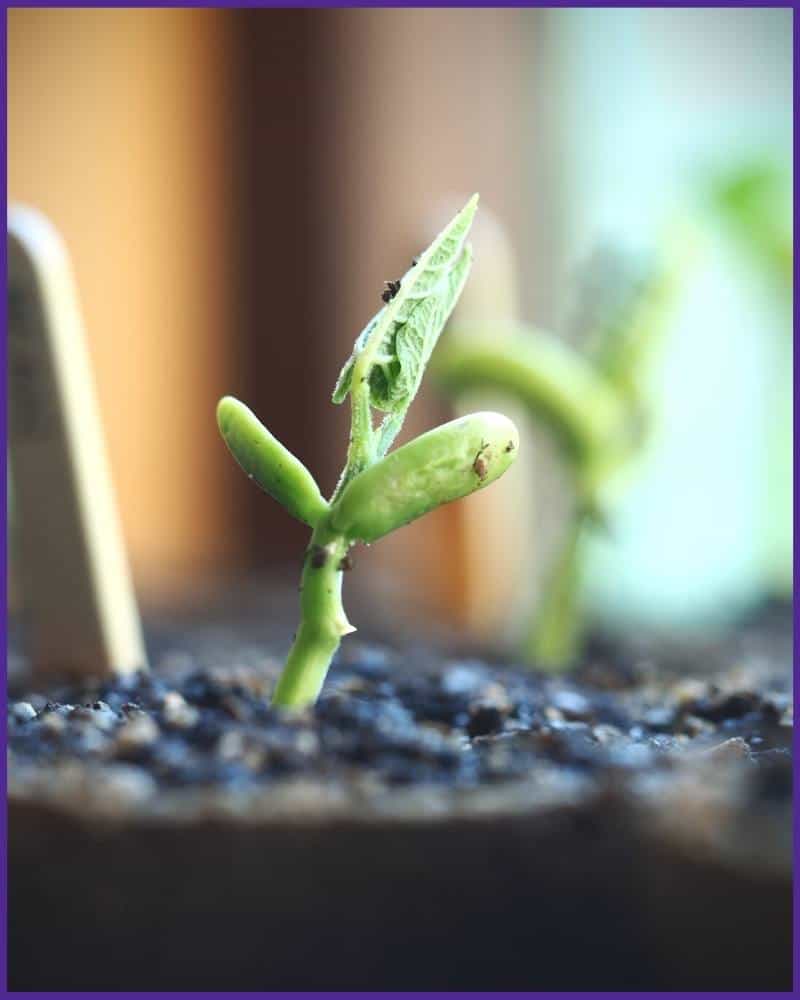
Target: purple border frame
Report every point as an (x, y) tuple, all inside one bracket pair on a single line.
[(321, 4), (366, 4), (796, 508), (4, 536)]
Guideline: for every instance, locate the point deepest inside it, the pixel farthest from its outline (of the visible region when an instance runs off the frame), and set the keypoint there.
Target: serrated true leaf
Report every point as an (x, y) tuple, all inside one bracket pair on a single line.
[(392, 351)]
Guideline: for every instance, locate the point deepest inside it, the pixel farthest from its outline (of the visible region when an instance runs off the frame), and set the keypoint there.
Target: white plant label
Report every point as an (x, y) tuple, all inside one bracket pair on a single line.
[(66, 542)]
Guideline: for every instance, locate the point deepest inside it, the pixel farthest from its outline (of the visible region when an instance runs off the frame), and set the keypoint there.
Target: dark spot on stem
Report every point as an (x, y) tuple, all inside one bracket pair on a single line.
[(319, 556), (345, 563), (509, 447)]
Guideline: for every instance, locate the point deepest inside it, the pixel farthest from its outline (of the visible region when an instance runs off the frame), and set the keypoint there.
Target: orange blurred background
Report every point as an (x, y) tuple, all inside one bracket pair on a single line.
[(234, 187)]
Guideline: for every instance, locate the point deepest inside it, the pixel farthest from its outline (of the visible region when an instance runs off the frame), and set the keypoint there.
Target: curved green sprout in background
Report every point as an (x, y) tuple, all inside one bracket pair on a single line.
[(592, 402), (376, 493), (755, 201)]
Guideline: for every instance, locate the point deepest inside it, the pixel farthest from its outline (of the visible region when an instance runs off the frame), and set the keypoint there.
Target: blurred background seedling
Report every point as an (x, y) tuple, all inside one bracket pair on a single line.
[(590, 397), (752, 201)]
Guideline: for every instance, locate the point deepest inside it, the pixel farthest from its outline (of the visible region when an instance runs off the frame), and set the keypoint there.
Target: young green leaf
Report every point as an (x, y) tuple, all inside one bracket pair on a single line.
[(390, 355), (276, 470)]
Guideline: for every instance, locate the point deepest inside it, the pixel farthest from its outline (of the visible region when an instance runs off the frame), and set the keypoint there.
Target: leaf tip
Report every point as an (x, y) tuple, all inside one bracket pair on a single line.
[(471, 207)]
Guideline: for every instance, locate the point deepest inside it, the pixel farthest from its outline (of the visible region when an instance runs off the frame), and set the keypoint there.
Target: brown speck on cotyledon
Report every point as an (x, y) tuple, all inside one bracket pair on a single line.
[(481, 464), (509, 447)]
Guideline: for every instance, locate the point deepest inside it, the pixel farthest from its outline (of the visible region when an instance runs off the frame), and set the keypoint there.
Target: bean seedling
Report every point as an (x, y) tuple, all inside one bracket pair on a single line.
[(377, 492), (592, 402)]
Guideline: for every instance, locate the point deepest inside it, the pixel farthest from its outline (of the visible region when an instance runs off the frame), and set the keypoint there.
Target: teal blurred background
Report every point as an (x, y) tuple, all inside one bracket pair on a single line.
[(662, 112)]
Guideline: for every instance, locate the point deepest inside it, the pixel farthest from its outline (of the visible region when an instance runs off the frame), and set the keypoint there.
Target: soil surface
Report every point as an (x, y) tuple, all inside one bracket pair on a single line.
[(388, 719), (435, 822)]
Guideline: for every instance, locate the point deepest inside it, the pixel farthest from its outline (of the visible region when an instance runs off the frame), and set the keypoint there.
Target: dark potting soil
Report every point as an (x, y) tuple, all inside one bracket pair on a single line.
[(201, 719), (435, 822)]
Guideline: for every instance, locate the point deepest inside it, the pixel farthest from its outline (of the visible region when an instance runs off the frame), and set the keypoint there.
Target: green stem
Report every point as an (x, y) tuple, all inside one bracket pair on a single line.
[(322, 623), (553, 639), (361, 451)]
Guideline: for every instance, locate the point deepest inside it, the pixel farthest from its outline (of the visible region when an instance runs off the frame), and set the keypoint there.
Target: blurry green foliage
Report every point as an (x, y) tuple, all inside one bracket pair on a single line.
[(754, 200), (590, 397)]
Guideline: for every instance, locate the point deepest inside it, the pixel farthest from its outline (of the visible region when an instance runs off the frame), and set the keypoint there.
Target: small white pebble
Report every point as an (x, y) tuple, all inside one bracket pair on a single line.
[(689, 690), (92, 739), (571, 703), (103, 716), (22, 711), (307, 742), (139, 731), (696, 726), (495, 696), (730, 749), (121, 785), (605, 734), (177, 712), (231, 745), (461, 679), (53, 722)]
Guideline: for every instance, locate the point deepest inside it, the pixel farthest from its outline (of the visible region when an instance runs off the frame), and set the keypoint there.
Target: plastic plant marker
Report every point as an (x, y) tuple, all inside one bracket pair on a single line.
[(78, 600)]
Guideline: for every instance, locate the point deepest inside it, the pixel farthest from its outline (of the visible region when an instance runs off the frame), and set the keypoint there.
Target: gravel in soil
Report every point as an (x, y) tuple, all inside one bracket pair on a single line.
[(191, 723)]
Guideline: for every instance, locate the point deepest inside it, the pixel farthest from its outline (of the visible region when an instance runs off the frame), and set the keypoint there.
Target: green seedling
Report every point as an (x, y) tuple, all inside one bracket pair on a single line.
[(754, 200), (593, 403), (377, 492)]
